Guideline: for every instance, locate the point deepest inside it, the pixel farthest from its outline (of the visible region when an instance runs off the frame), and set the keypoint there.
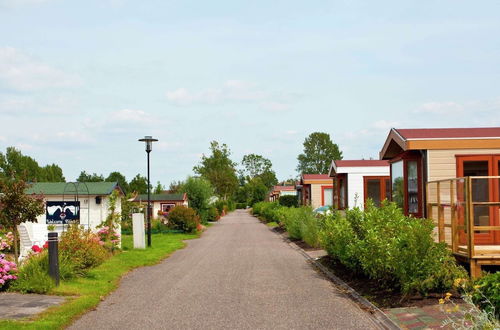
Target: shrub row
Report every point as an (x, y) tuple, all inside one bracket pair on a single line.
[(381, 243), (300, 223)]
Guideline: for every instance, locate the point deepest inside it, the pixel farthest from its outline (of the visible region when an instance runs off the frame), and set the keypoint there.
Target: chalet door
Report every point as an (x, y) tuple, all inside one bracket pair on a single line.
[(483, 191), (377, 188), (496, 196)]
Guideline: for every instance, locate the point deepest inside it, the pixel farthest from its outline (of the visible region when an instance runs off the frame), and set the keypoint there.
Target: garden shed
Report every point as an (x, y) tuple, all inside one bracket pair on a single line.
[(84, 203), (355, 181), (163, 203)]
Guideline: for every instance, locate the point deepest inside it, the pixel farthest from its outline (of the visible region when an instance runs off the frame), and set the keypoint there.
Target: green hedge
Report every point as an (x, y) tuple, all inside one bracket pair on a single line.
[(386, 245), (382, 243)]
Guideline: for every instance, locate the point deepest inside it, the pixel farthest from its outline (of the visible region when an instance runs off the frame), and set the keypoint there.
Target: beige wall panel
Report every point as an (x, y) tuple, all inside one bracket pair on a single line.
[(442, 163)]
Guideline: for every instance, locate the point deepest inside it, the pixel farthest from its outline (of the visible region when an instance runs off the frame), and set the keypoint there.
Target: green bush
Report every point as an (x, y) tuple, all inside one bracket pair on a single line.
[(487, 293), (213, 214), (183, 218), (241, 206), (339, 240), (289, 201), (33, 276), (82, 248), (390, 247)]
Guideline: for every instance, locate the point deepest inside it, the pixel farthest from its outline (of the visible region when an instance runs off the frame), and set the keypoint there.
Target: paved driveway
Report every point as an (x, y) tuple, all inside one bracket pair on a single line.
[(239, 275)]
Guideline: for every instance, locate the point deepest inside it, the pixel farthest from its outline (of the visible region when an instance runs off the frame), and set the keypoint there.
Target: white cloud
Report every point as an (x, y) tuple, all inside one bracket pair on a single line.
[(132, 116), (32, 104), (276, 106), (24, 73), (441, 108), (231, 91), (385, 125), (21, 3)]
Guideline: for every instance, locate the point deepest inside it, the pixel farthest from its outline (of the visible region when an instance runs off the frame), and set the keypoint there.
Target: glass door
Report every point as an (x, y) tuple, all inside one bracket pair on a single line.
[(483, 191), (377, 188)]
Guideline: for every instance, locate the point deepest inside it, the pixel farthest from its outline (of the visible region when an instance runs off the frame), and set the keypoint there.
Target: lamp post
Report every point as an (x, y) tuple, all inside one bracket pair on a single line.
[(149, 146)]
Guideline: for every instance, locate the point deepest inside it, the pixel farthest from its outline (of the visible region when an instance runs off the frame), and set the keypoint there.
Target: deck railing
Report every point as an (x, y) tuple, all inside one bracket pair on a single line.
[(466, 212)]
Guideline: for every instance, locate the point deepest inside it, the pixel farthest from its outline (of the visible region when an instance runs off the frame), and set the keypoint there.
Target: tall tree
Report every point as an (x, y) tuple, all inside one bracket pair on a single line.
[(16, 206), (15, 164), (175, 187), (120, 178), (159, 188), (319, 151), (139, 184), (219, 169), (257, 166), (86, 177), (199, 191), (52, 173)]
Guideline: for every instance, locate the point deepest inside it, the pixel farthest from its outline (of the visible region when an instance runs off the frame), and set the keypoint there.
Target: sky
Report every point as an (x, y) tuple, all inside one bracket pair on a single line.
[(82, 81)]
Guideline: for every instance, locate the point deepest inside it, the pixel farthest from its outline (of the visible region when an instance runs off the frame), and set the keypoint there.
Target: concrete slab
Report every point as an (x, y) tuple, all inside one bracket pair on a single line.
[(18, 306)]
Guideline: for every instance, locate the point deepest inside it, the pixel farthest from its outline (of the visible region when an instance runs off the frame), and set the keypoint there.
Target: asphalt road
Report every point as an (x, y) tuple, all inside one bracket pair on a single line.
[(239, 275)]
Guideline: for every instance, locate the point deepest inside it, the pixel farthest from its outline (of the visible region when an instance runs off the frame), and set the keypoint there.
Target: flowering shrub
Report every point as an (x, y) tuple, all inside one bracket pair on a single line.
[(8, 272), (36, 249), (7, 242), (110, 239), (82, 248), (183, 218)]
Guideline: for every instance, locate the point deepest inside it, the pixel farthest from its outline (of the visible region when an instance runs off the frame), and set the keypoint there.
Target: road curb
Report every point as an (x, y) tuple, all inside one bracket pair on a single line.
[(379, 317)]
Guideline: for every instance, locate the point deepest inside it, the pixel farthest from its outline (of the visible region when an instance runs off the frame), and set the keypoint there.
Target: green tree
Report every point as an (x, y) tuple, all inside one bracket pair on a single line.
[(120, 178), (86, 177), (17, 207), (175, 187), (199, 191), (139, 184), (52, 173), (319, 151), (219, 169), (15, 164), (159, 188), (257, 166)]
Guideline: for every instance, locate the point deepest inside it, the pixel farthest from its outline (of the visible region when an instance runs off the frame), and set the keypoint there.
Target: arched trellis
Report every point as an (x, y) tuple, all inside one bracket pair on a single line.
[(76, 195)]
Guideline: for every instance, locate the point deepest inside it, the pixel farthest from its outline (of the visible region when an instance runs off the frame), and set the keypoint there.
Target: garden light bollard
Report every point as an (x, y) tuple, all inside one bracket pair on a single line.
[(54, 257)]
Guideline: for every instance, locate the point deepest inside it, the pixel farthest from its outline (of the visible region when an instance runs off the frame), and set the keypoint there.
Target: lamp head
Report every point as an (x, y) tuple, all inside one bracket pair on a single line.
[(149, 142)]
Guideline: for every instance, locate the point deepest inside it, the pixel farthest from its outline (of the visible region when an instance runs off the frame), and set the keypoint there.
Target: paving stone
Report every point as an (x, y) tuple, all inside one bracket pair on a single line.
[(17, 306)]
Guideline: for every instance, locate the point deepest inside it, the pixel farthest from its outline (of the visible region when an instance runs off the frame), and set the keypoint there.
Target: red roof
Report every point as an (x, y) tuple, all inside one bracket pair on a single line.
[(449, 133), (283, 188), (360, 163), (315, 176)]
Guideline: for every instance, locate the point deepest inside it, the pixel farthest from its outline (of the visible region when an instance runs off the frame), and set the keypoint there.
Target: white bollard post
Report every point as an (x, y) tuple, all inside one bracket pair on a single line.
[(138, 230)]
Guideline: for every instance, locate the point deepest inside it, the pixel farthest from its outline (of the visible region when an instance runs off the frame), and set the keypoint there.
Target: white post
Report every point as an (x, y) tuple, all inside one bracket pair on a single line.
[(138, 230)]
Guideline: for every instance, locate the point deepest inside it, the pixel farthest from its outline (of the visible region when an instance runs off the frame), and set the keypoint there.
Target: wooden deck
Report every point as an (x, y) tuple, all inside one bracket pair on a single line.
[(473, 237)]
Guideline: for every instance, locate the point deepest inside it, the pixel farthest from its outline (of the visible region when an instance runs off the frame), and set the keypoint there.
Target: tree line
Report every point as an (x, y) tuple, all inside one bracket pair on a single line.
[(248, 181)]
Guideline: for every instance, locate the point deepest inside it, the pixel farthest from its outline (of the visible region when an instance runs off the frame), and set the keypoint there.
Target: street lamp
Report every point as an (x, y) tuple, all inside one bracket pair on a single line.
[(149, 146)]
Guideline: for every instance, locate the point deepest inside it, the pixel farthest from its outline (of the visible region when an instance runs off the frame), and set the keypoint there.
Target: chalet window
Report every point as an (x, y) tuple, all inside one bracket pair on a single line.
[(167, 207), (397, 173), (341, 187), (377, 188), (406, 183), (327, 197)]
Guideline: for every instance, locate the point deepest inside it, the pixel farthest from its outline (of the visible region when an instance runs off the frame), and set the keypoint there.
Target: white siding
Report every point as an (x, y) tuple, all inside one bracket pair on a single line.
[(91, 213), (355, 181)]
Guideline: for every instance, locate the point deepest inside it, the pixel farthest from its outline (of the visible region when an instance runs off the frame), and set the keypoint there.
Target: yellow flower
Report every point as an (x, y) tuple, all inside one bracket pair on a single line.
[(448, 294), (477, 287), (457, 281), (441, 301)]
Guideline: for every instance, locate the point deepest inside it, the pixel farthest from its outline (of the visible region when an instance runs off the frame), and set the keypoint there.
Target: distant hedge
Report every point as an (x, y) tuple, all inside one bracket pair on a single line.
[(289, 201)]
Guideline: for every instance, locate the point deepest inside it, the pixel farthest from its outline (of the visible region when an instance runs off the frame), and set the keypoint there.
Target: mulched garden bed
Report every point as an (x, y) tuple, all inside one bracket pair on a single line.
[(375, 292)]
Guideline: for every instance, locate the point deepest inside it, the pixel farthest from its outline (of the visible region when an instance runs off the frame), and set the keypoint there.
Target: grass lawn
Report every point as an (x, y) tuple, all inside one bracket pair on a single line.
[(88, 291)]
